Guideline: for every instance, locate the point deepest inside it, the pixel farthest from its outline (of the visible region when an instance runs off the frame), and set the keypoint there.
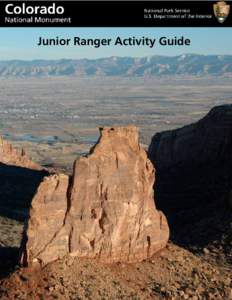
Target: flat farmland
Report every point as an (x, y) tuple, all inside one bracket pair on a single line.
[(57, 119)]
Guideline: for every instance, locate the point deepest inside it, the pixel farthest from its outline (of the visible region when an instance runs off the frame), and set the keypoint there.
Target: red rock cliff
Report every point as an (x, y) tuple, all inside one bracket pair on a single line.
[(12, 156)]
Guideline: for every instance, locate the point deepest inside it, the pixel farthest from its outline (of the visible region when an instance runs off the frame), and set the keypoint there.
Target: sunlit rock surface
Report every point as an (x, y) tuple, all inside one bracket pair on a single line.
[(105, 211)]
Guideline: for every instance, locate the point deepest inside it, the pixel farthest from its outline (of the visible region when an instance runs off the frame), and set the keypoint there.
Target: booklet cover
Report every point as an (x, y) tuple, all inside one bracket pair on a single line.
[(116, 150)]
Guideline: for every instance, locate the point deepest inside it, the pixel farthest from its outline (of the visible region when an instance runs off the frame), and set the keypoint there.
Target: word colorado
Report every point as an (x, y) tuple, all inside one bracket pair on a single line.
[(24, 9), (130, 41)]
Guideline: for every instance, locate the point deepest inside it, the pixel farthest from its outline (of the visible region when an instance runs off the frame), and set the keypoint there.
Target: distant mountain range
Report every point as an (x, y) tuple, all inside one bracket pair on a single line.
[(186, 64)]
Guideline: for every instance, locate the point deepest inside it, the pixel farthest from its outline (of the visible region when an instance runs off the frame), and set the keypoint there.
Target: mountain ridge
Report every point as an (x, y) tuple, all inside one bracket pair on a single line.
[(156, 65)]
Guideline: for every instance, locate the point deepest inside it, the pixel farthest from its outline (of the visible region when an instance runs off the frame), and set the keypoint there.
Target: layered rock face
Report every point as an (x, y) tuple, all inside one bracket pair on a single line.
[(193, 176), (47, 236), (208, 140), (105, 211), (11, 156)]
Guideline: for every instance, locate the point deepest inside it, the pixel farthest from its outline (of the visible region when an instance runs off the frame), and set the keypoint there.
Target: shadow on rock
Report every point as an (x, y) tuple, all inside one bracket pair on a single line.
[(194, 180), (8, 260), (18, 186), (196, 205)]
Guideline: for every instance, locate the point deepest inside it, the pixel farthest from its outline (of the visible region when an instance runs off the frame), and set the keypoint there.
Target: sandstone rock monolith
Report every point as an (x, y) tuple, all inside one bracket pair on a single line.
[(105, 211)]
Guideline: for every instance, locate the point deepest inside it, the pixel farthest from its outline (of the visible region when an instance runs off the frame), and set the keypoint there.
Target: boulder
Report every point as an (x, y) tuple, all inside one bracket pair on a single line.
[(105, 211)]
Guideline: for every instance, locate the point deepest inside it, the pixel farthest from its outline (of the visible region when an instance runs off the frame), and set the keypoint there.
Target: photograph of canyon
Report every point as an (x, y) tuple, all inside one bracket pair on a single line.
[(116, 178)]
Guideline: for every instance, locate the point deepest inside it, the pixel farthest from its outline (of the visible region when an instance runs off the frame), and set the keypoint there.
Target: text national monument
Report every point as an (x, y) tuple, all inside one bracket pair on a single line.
[(105, 211)]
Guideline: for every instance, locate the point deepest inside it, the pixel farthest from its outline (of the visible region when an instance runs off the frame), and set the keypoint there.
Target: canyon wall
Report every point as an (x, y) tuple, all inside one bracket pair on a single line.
[(208, 140), (194, 178), (11, 156)]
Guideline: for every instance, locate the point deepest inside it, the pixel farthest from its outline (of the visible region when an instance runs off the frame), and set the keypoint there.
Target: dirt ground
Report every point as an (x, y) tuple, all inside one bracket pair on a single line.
[(174, 273)]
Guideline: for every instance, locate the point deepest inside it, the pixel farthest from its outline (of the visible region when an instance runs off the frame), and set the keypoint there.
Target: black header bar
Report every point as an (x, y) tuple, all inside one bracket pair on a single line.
[(115, 14)]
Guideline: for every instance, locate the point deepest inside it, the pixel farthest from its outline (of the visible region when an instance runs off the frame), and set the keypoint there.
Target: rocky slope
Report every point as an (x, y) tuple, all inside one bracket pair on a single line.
[(106, 211), (187, 64), (173, 274)]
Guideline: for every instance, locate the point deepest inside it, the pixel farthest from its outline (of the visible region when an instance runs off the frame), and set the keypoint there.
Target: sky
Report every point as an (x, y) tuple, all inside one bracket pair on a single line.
[(21, 43)]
